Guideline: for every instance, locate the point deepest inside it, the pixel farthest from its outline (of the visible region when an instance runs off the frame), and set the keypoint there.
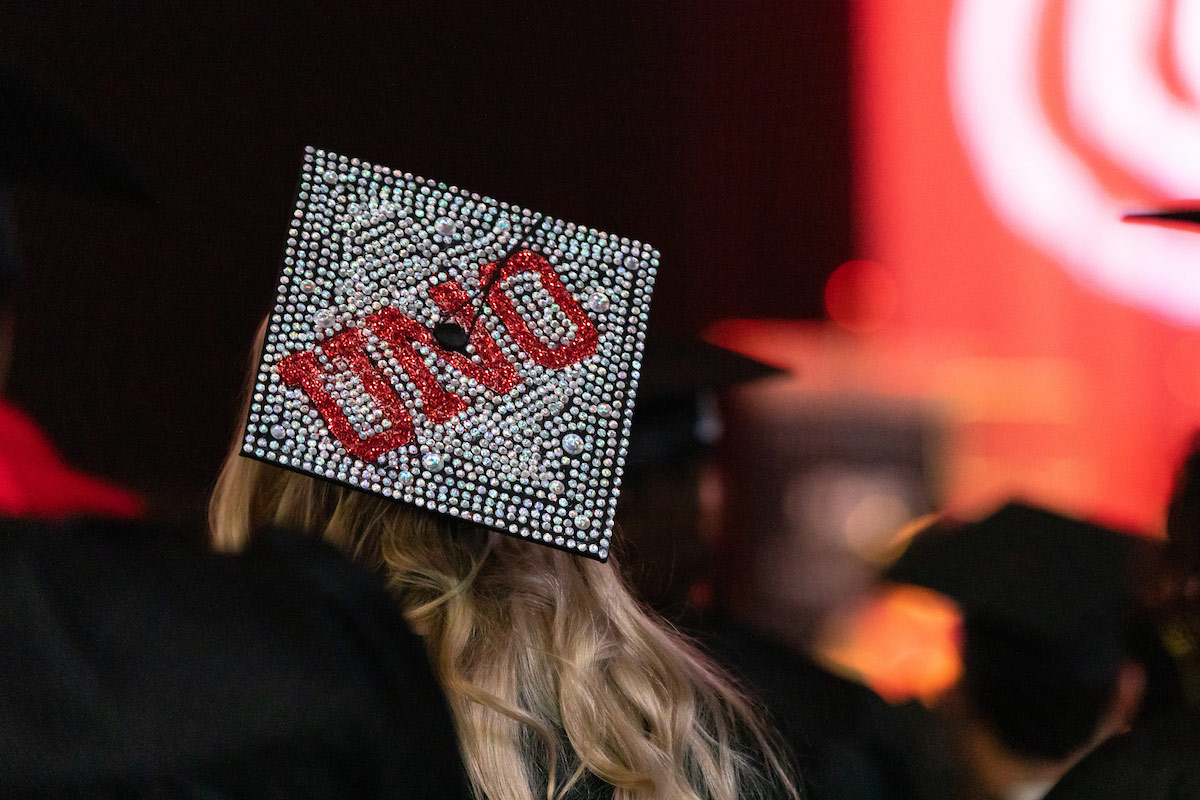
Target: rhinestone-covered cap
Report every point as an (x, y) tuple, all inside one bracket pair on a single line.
[(444, 349)]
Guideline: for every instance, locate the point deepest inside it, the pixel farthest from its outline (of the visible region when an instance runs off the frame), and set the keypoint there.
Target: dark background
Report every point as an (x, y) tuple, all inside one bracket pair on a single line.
[(718, 131)]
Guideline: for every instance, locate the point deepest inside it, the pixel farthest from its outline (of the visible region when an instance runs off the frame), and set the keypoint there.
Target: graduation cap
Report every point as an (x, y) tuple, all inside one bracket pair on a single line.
[(1068, 581), (455, 352), (680, 374), (1045, 600), (41, 140), (1189, 215)]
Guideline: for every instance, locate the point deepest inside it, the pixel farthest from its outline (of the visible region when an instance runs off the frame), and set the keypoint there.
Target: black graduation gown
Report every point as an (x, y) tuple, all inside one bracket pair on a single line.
[(849, 744), (1158, 760), (136, 663)]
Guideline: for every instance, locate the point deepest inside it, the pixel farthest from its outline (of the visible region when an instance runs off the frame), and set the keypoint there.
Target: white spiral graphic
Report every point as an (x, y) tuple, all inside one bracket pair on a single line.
[(1118, 103)]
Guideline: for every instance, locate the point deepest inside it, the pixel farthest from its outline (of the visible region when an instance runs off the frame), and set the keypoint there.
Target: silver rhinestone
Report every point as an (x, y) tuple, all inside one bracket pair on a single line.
[(598, 302), (583, 523), (329, 176), (445, 226), (557, 487), (632, 262), (434, 462), (278, 431), (572, 444), (307, 286)]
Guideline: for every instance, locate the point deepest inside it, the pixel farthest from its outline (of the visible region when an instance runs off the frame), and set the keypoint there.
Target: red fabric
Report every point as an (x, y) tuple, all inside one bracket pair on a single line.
[(35, 481)]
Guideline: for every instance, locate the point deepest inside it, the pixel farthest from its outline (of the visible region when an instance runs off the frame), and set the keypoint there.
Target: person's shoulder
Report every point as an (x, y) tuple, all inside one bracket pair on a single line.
[(1158, 759), (136, 651)]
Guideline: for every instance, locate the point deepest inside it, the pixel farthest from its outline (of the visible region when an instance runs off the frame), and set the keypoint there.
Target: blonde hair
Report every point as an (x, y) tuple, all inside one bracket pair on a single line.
[(552, 669)]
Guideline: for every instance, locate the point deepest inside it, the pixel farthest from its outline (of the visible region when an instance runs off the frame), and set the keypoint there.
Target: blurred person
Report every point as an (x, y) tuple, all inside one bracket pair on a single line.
[(1179, 602), (850, 743), (1176, 599), (138, 664), (1052, 662), (562, 684), (1158, 758), (41, 142), (670, 478)]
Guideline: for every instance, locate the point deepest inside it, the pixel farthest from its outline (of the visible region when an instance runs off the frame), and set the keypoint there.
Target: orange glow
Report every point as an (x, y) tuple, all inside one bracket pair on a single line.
[(903, 642), (1009, 425)]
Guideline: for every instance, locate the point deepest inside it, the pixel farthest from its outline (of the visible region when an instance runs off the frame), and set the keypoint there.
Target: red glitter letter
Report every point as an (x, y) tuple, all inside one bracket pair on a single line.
[(586, 338), (497, 373), (440, 405), (303, 370)]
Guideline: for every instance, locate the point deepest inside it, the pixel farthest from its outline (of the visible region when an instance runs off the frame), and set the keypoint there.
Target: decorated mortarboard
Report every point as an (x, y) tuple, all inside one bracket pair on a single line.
[(455, 352)]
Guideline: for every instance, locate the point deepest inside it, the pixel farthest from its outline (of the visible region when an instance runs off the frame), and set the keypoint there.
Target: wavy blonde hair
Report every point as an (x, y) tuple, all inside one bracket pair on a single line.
[(552, 669)]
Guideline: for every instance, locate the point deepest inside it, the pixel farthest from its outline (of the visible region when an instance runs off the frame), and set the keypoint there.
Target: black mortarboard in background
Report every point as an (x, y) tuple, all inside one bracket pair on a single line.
[(674, 416), (1028, 567), (41, 140), (674, 423), (1046, 600), (1188, 214)]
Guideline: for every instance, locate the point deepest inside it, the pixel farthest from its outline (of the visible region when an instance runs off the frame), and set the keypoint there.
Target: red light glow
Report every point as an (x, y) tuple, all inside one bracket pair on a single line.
[(861, 296), (998, 145)]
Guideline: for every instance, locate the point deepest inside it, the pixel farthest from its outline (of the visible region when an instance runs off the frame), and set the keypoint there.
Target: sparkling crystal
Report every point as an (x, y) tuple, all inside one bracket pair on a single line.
[(367, 238)]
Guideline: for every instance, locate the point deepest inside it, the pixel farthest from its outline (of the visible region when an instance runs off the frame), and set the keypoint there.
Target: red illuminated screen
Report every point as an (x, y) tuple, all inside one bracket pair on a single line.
[(998, 145)]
